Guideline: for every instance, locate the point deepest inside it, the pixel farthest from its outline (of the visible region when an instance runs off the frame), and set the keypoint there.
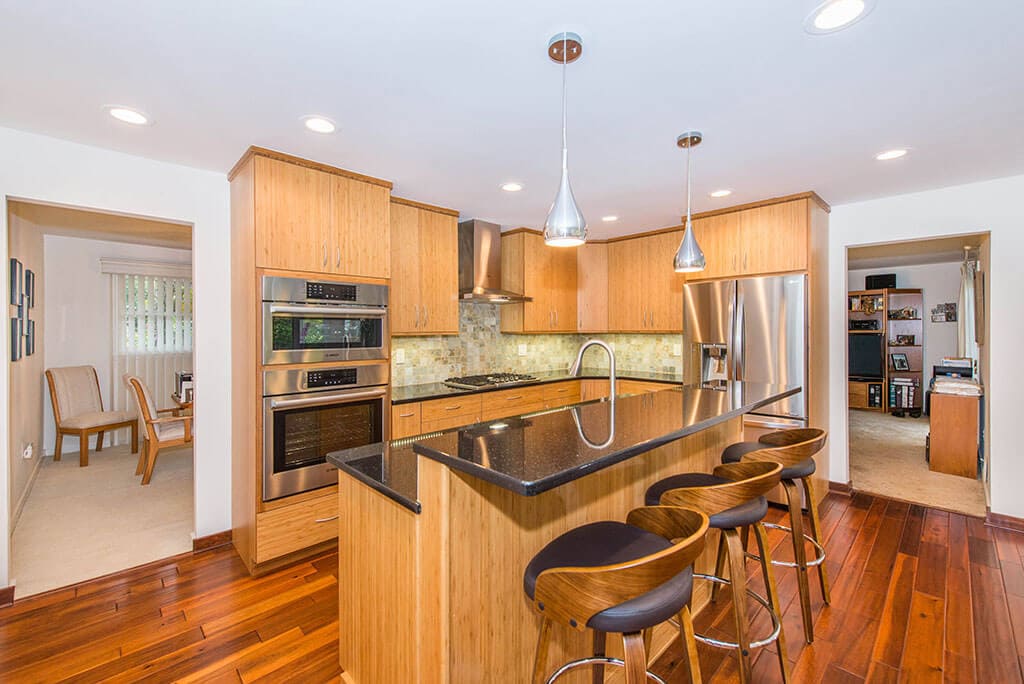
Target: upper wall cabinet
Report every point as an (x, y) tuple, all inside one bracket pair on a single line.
[(315, 220), (755, 241), (592, 287), (644, 293), (548, 275), (424, 269)]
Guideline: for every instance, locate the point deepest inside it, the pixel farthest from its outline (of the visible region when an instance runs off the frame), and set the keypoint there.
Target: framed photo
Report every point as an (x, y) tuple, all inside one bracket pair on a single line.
[(906, 340), (30, 289), (899, 362), (15, 339), (30, 338), (17, 274)]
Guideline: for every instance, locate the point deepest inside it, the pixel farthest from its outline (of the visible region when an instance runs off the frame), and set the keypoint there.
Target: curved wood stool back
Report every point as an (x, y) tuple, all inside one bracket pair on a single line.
[(790, 448), (748, 482), (573, 595)]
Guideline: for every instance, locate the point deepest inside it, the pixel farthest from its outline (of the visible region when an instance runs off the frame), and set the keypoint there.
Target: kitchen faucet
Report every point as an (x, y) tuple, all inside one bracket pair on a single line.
[(577, 366)]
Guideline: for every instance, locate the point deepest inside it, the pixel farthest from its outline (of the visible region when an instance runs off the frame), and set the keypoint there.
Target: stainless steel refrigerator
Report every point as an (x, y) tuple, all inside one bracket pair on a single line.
[(752, 329)]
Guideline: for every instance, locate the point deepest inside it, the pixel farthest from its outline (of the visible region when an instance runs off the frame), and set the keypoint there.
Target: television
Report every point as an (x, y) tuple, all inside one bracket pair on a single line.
[(866, 356)]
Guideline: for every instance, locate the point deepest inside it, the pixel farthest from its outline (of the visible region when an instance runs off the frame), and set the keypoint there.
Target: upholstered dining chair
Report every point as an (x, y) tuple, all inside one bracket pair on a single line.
[(163, 428), (78, 410)]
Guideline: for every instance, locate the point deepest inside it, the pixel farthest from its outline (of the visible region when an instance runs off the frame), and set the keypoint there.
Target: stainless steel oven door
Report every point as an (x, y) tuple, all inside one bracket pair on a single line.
[(299, 430), (311, 333)]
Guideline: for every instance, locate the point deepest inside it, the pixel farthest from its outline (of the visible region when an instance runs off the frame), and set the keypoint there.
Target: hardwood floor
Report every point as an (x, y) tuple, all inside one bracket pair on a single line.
[(918, 595)]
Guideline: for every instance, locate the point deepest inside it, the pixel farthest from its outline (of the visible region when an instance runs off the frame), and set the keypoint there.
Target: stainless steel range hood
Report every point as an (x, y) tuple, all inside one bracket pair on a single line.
[(480, 264)]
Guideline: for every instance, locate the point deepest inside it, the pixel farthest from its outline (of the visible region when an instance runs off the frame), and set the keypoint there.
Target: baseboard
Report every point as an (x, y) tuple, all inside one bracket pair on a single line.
[(211, 541), (1004, 522), (844, 489), (23, 499), (7, 596)]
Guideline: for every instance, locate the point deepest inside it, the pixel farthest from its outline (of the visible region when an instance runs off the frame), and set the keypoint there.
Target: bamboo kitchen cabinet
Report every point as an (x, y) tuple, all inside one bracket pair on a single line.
[(592, 287), (547, 274), (644, 293), (424, 269)]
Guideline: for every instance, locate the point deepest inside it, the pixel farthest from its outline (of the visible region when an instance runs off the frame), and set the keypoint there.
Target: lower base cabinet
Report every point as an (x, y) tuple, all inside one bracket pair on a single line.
[(288, 529)]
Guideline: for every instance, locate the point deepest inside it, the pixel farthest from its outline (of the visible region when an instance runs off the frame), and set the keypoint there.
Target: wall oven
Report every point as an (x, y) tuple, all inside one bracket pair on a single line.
[(308, 413), (306, 321)]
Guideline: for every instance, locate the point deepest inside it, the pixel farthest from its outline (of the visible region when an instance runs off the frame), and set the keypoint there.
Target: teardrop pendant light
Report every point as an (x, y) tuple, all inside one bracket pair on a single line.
[(689, 257), (565, 225)]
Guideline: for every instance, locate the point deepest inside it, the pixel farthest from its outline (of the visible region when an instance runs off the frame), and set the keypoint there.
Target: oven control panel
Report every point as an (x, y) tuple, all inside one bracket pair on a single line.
[(332, 377), (335, 292)]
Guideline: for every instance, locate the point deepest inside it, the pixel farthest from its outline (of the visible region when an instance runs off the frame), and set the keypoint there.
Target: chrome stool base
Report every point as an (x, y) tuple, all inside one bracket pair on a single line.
[(596, 660), (776, 622), (817, 560)]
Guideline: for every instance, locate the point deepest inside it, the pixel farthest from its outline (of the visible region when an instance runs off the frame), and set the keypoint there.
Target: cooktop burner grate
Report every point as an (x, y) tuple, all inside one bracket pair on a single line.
[(489, 380)]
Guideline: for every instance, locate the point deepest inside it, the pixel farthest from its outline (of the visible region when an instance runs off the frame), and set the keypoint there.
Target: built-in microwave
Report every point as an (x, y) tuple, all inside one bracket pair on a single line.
[(307, 321)]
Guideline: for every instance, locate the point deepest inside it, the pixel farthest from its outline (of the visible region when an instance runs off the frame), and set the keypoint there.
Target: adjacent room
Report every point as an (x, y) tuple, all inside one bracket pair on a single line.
[(103, 320), (915, 339)]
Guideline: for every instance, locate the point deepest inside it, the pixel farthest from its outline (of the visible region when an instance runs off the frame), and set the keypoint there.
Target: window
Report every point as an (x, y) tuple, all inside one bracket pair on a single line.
[(156, 314)]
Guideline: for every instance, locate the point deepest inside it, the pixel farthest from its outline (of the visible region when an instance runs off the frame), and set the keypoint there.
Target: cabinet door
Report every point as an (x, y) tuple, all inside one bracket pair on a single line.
[(292, 216), (405, 270), (439, 273), (405, 420), (561, 286), (663, 286), (774, 238), (592, 287), (360, 229), (719, 238), (625, 311)]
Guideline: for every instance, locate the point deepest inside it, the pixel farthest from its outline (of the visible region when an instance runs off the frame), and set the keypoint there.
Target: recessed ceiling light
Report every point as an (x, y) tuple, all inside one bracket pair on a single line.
[(318, 124), (891, 154), (720, 193), (835, 15), (127, 115), (511, 187), (609, 219)]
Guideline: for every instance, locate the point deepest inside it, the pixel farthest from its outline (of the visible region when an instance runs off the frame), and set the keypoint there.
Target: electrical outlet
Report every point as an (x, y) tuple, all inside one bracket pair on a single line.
[(399, 356), (677, 350), (522, 350), (27, 451)]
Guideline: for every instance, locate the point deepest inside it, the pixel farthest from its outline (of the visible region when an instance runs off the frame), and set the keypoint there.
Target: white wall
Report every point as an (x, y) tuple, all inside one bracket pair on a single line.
[(993, 206), (941, 284), (78, 310), (39, 168)]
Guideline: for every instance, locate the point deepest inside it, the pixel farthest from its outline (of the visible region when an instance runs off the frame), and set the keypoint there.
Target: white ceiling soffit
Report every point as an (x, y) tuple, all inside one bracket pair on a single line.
[(450, 99), (913, 252)]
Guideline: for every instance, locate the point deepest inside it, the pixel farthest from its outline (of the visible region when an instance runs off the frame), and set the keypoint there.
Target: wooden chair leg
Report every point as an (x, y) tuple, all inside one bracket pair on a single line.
[(768, 571), (738, 577), (150, 462), (600, 640), (99, 441), (83, 449), (635, 658), (745, 537), (719, 566), (135, 438), (540, 658), (690, 644), (60, 445), (816, 534), (141, 465), (796, 521)]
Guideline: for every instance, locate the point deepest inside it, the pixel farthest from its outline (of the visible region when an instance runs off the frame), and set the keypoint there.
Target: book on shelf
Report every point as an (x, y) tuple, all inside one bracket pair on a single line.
[(902, 393)]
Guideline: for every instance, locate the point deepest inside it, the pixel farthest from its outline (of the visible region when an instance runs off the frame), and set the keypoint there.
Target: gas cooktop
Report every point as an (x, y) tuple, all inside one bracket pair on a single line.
[(490, 380)]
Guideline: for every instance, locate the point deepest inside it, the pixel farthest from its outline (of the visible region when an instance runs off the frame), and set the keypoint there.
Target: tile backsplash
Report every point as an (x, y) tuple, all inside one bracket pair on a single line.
[(481, 347)]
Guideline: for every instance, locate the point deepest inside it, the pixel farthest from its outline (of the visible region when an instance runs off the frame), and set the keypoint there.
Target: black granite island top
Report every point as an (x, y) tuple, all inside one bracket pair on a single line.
[(533, 453)]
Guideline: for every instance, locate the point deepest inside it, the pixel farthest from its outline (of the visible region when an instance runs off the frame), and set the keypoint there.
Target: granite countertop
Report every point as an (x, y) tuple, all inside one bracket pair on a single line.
[(437, 390), (536, 452)]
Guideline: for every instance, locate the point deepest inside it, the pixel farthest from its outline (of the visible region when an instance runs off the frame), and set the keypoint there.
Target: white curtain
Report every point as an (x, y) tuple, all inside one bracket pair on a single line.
[(152, 335), (966, 340)]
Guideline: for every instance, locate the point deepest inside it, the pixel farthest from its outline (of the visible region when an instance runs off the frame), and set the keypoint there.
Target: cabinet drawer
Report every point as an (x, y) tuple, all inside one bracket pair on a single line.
[(293, 528), (443, 409), (640, 386), (448, 423), (512, 402), (405, 420), (561, 393)]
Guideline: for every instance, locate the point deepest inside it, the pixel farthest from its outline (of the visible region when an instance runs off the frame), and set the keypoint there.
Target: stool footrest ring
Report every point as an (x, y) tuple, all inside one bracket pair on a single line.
[(596, 660), (776, 622), (818, 548)]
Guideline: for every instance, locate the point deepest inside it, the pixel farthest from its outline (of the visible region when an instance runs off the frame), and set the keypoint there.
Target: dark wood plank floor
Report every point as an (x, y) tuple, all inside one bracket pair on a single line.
[(918, 595)]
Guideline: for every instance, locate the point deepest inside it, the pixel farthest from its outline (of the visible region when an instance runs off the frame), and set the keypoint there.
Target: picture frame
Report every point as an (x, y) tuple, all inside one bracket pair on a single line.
[(30, 338), (15, 280), (15, 339), (906, 340), (30, 289), (899, 362)]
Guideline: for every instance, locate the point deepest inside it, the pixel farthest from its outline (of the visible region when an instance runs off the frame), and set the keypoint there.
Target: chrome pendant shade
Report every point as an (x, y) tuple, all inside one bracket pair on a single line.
[(689, 257), (565, 225)]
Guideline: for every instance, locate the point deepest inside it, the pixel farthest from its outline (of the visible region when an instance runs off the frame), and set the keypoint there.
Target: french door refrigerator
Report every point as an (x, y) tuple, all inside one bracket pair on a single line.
[(752, 329)]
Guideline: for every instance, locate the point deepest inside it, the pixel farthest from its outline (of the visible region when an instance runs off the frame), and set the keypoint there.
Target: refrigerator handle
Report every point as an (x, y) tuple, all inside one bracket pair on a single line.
[(730, 339), (737, 334)]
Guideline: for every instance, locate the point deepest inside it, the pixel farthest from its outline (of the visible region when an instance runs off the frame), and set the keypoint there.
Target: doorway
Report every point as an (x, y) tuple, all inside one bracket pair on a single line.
[(906, 345), (110, 297)]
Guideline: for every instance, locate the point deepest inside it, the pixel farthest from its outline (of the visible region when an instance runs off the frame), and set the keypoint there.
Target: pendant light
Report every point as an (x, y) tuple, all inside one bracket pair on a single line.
[(565, 225), (689, 257)]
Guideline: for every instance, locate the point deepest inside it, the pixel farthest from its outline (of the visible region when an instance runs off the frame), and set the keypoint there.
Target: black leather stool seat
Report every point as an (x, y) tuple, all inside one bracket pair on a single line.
[(745, 514), (734, 452), (608, 543)]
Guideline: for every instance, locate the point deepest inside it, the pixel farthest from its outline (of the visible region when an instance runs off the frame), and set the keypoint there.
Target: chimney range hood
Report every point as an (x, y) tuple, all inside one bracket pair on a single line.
[(480, 264)]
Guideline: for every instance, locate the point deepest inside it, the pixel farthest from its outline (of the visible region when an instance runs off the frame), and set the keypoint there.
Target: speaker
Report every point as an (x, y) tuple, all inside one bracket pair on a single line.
[(880, 281)]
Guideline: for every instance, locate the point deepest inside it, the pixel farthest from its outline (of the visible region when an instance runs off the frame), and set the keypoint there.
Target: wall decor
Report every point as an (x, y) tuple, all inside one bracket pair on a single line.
[(30, 289), (15, 339), (944, 313), (15, 282), (900, 362), (30, 338), (905, 340)]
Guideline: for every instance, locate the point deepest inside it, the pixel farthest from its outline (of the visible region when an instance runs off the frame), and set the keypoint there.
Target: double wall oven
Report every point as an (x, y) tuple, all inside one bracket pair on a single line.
[(311, 408)]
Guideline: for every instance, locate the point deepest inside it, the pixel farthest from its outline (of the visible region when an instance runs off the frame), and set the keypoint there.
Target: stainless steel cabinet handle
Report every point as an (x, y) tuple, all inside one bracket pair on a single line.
[(325, 254), (416, 308), (452, 408), (323, 520), (518, 396), (744, 261), (406, 415), (652, 318), (426, 315)]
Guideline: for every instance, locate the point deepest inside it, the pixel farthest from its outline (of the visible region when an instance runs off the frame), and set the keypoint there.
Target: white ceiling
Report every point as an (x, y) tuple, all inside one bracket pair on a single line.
[(451, 98)]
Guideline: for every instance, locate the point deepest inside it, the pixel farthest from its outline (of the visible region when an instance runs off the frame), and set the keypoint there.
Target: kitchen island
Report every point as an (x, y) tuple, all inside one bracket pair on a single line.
[(435, 531)]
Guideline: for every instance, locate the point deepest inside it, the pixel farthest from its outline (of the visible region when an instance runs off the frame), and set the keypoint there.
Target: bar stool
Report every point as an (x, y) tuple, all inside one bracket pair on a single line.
[(733, 498), (794, 450), (622, 578)]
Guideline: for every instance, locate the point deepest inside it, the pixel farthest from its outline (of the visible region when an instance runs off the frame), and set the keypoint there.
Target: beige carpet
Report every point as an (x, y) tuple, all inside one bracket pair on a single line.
[(887, 458), (81, 523)]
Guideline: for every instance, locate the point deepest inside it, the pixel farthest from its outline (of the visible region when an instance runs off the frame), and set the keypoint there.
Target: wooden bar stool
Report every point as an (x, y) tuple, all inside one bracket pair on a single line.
[(794, 450), (733, 498), (622, 578)]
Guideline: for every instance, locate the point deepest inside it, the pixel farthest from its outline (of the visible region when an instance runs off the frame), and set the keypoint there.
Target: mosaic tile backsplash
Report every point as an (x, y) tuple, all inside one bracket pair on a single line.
[(481, 347)]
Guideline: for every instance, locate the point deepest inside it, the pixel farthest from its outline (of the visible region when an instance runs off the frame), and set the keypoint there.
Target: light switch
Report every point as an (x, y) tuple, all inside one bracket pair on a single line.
[(677, 350), (522, 350), (399, 356)]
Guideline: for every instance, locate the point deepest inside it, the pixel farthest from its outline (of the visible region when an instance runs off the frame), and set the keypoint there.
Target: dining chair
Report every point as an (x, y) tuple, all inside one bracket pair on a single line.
[(163, 428), (78, 410)]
